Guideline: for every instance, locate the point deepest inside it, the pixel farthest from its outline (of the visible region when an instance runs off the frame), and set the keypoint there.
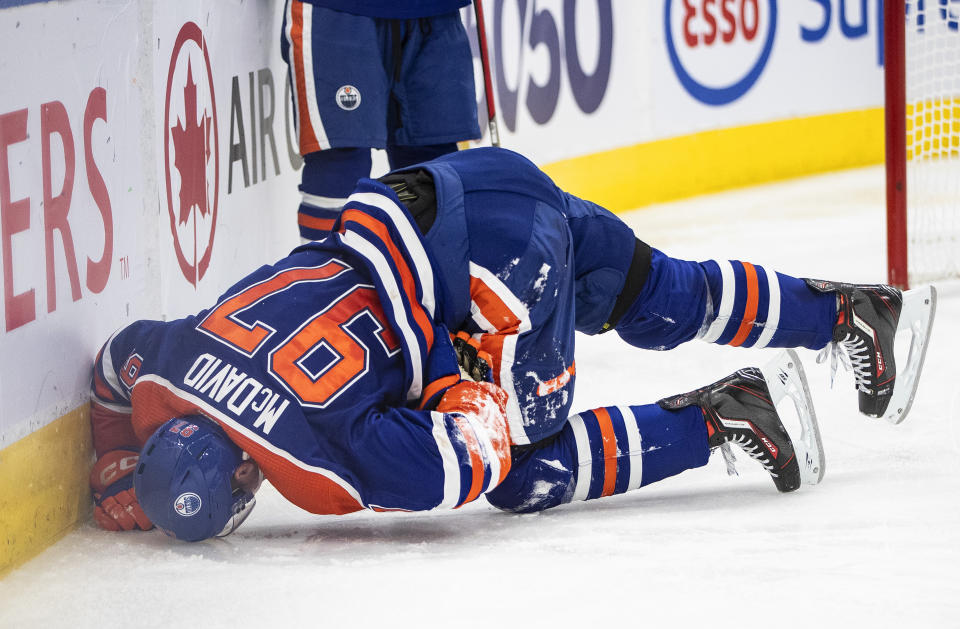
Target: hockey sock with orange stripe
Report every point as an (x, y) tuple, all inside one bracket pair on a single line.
[(725, 302), (603, 452), (328, 179), (754, 306)]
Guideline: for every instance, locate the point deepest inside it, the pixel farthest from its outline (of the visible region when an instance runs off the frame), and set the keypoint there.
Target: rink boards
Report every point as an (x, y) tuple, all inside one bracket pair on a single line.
[(625, 103)]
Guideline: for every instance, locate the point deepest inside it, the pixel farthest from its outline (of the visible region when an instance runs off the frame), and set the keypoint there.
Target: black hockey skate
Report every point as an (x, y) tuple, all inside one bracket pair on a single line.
[(741, 409), (868, 318)]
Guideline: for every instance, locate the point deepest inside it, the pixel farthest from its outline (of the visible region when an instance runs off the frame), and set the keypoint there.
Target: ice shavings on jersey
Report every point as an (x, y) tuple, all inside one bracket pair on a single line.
[(556, 382), (663, 317), (553, 487), (535, 407), (555, 464), (541, 282), (504, 273), (504, 318), (541, 492)]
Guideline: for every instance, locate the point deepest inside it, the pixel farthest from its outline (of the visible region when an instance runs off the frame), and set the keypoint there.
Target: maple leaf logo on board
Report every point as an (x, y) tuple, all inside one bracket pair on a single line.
[(192, 144), (191, 153)]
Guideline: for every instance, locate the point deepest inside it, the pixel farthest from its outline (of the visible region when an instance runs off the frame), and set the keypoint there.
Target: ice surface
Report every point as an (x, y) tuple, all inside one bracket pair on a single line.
[(876, 544)]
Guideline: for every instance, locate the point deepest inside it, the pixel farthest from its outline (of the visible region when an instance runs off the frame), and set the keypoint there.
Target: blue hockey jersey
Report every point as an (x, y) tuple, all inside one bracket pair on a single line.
[(524, 266), (324, 367), (506, 238)]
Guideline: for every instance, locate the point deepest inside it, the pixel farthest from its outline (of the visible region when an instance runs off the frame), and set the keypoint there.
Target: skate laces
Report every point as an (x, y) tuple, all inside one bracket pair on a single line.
[(729, 459), (749, 446), (853, 353)]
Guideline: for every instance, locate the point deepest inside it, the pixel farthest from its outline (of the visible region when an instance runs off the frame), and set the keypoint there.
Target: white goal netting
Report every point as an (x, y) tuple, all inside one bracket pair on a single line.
[(933, 139)]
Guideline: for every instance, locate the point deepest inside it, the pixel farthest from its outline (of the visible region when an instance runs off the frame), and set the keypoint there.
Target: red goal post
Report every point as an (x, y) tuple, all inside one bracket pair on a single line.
[(922, 96)]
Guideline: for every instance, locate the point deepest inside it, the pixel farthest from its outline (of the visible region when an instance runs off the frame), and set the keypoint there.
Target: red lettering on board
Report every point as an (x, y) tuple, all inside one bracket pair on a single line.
[(19, 309), (54, 119), (98, 272)]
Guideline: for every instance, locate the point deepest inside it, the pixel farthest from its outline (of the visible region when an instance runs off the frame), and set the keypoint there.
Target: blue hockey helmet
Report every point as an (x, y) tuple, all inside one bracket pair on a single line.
[(184, 480)]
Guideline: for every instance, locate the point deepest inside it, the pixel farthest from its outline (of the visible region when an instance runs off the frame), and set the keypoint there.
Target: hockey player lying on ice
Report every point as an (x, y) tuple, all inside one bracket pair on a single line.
[(332, 372)]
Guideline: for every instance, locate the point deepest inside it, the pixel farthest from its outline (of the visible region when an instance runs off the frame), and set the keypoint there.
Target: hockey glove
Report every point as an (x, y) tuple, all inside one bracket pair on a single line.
[(474, 362), (116, 507)]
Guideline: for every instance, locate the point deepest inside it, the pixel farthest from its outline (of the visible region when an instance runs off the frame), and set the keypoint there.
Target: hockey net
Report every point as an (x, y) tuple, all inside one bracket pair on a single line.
[(931, 151)]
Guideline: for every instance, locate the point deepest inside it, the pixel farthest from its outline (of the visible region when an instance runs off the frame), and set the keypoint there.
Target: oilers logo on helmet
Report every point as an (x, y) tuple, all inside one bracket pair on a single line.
[(187, 504), (184, 480)]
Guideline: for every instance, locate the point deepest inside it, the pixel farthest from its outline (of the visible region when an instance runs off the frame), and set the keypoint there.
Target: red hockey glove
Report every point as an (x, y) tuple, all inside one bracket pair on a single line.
[(474, 362), (111, 479)]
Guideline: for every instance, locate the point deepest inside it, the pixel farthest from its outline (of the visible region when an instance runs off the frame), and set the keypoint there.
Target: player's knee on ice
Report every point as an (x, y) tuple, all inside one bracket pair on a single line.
[(538, 480)]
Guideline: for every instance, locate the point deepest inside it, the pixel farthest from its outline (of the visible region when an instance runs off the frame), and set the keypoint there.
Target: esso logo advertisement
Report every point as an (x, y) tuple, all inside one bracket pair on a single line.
[(719, 48), (191, 152)]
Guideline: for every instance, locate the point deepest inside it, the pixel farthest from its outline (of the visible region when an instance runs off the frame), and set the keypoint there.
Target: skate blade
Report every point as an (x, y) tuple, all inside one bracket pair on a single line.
[(916, 319), (786, 379)]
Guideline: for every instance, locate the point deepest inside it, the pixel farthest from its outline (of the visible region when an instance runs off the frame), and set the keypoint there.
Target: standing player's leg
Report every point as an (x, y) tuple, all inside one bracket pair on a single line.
[(615, 449), (401, 156), (328, 179), (433, 103), (340, 95)]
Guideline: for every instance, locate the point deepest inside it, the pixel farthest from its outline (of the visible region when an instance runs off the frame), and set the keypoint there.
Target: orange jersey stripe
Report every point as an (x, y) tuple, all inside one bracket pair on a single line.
[(609, 451), (492, 307), (111, 429), (750, 310), (493, 345), (440, 383), (101, 388), (499, 315), (219, 323), (154, 404), (313, 492), (557, 383), (325, 224), (503, 454), (406, 276), (476, 459), (308, 138)]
